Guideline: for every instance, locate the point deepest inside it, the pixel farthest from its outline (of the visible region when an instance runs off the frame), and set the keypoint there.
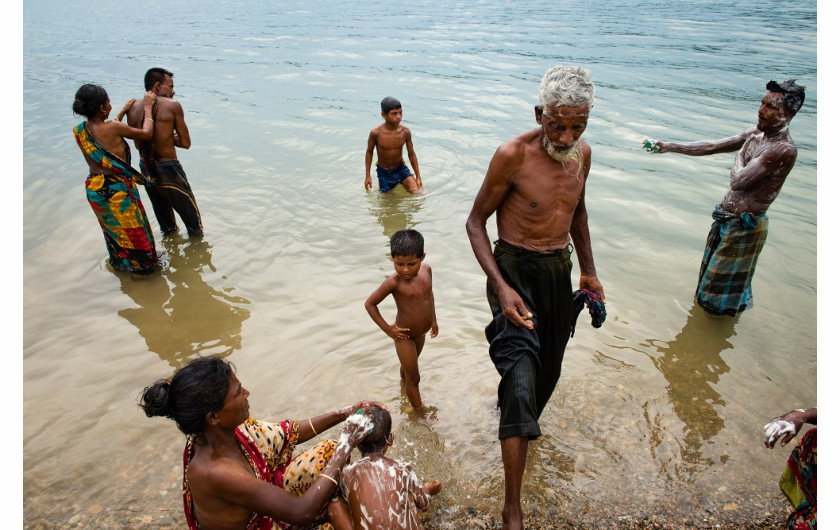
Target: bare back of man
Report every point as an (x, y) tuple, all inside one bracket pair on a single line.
[(170, 192), (170, 128)]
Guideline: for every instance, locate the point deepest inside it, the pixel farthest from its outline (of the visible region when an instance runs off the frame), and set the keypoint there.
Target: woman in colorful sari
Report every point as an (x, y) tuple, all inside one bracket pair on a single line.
[(111, 189), (239, 473), (799, 480)]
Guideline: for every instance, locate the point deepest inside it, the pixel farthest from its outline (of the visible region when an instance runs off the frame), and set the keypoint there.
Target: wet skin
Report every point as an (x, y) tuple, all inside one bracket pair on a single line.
[(388, 140), (225, 490), (539, 202), (170, 129), (381, 494), (411, 287), (111, 134), (766, 155), (535, 185)]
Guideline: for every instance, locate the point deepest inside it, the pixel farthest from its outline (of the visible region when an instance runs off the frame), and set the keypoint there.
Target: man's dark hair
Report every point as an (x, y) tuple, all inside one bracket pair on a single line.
[(792, 94), (388, 104), (376, 441), (407, 243), (155, 75)]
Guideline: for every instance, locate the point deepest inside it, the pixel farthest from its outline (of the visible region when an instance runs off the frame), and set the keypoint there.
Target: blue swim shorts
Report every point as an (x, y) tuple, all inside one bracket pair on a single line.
[(389, 178)]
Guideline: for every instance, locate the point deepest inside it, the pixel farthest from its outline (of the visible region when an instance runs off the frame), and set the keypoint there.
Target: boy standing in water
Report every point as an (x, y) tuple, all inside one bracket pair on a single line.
[(389, 139), (411, 287), (380, 493)]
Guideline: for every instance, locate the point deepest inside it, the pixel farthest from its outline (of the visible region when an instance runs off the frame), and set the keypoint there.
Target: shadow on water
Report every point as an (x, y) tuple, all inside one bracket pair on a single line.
[(178, 313), (692, 365)]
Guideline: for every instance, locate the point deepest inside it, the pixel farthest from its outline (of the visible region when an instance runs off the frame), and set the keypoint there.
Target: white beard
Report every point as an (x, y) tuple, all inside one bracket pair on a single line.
[(572, 153)]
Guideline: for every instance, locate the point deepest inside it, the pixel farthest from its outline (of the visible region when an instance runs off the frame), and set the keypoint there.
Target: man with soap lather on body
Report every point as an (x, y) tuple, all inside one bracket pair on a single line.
[(766, 155)]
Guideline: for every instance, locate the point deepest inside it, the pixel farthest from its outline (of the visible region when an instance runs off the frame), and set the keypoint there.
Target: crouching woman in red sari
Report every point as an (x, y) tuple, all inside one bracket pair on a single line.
[(239, 473)]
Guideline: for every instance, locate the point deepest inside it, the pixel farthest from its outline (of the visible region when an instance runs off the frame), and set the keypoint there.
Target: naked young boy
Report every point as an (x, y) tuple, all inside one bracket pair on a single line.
[(380, 493), (411, 287), (389, 139)]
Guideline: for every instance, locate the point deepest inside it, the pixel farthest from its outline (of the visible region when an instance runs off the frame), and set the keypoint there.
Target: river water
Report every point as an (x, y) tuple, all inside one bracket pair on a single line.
[(660, 410)]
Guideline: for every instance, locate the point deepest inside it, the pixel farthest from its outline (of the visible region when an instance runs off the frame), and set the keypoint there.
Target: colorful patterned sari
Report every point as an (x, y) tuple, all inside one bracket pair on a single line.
[(268, 449), (115, 200), (799, 483)]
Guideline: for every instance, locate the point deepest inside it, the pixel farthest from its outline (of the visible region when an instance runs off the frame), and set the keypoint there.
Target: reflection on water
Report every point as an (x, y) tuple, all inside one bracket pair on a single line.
[(692, 365), (395, 211), (179, 314)]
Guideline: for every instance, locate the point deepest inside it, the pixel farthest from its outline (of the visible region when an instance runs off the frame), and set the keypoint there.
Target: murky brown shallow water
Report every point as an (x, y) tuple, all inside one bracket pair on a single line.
[(658, 413)]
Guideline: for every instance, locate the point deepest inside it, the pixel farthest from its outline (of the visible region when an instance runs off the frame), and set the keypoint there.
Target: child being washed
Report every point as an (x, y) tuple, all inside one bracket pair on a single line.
[(378, 492)]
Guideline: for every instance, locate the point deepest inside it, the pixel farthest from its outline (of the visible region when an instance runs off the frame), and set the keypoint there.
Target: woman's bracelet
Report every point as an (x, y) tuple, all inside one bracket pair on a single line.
[(314, 432), (330, 479)]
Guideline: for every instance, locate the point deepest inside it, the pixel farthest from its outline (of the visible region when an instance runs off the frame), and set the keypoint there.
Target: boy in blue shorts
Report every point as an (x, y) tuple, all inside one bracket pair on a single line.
[(388, 139)]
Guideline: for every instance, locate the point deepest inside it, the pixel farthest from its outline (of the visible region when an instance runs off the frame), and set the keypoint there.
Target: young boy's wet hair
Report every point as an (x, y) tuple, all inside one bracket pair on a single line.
[(388, 104), (378, 438), (407, 243)]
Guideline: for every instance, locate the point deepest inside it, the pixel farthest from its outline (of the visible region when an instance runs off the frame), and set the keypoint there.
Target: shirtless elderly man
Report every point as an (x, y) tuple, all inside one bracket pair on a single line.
[(158, 159), (766, 156), (535, 185)]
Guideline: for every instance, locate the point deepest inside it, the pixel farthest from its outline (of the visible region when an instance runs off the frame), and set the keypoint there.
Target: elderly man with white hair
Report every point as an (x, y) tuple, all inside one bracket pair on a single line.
[(535, 185)]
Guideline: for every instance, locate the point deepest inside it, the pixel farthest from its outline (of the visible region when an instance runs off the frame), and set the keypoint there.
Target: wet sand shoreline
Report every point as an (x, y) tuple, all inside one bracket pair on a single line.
[(467, 518), (156, 508)]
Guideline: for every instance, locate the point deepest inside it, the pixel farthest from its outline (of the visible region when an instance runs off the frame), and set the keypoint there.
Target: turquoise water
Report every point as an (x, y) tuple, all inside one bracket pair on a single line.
[(660, 409)]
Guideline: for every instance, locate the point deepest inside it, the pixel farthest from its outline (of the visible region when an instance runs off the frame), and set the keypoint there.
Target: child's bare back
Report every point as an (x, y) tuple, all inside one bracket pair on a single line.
[(385, 494), (379, 493)]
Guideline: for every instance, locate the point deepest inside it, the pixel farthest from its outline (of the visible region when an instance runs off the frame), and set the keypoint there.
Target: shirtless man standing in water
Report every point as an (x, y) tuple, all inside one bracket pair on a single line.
[(171, 192), (535, 185), (766, 154)]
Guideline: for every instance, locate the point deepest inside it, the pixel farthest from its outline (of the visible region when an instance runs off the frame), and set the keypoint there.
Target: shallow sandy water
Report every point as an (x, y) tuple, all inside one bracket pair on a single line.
[(659, 411)]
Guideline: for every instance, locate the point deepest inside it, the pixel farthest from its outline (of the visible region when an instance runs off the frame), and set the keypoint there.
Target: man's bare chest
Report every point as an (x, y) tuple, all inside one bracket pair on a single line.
[(754, 147), (547, 191)]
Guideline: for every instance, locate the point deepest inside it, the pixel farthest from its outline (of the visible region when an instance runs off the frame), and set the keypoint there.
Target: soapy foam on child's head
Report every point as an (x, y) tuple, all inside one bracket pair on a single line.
[(355, 419)]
